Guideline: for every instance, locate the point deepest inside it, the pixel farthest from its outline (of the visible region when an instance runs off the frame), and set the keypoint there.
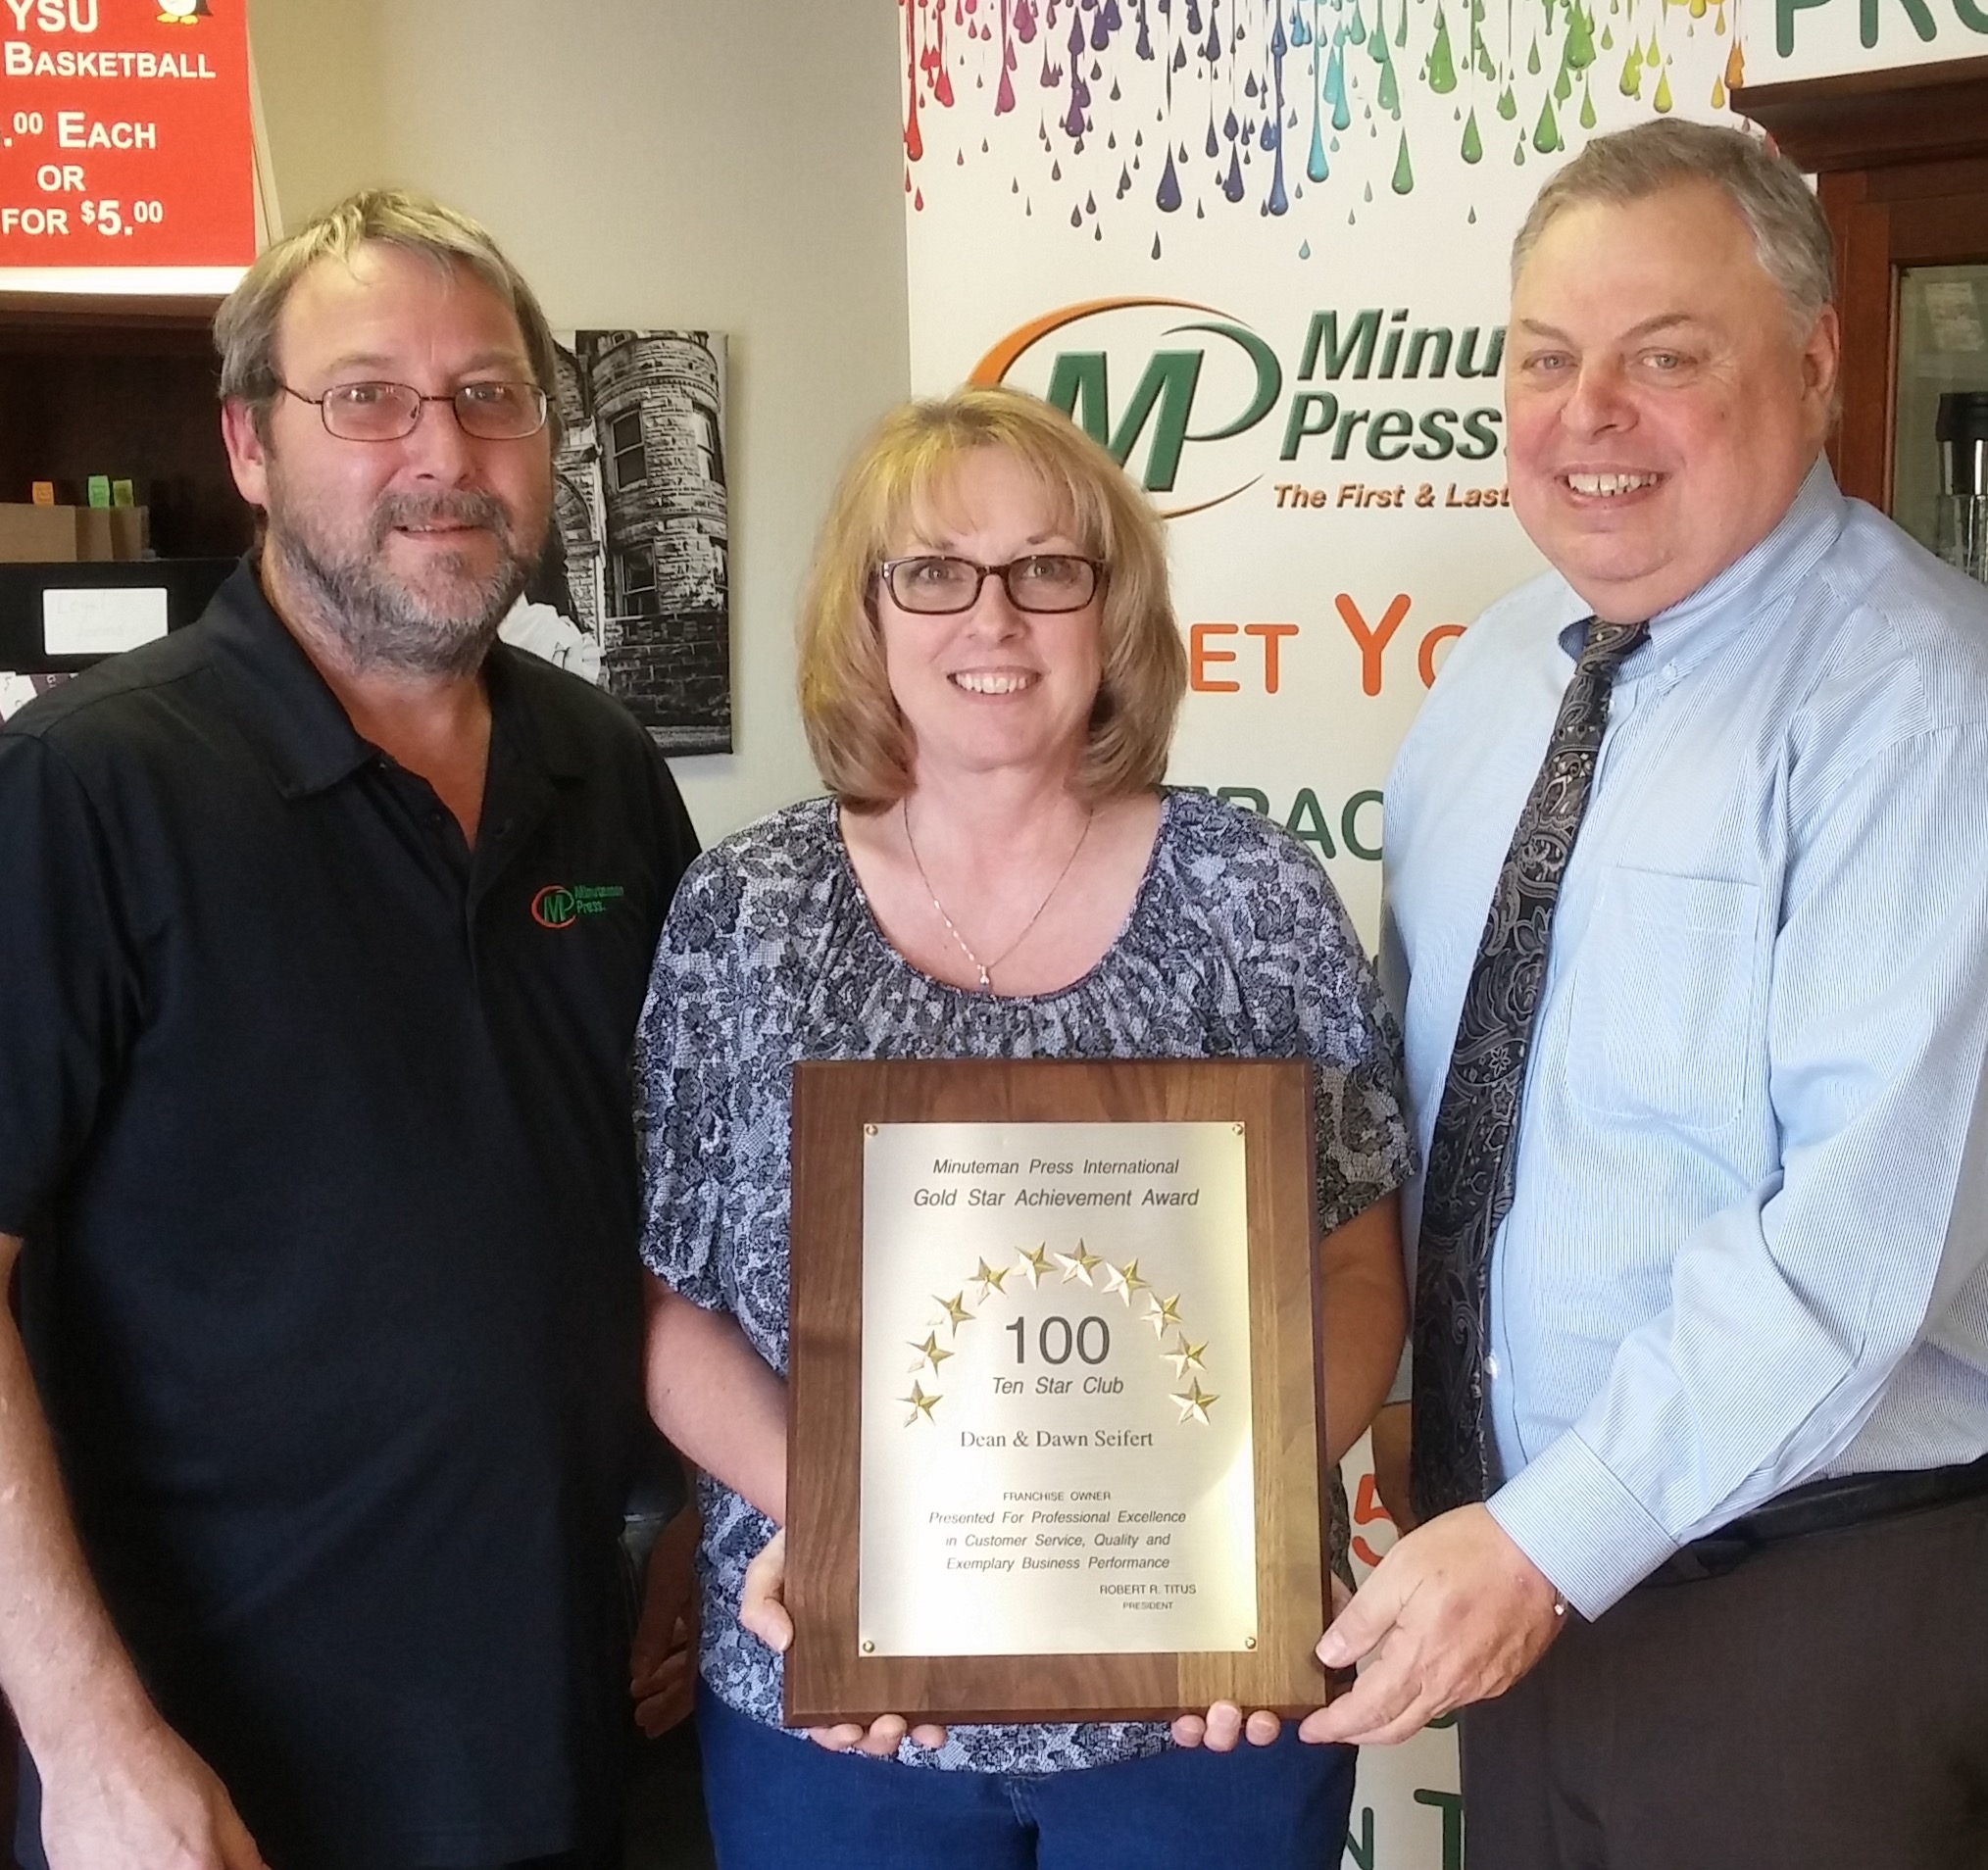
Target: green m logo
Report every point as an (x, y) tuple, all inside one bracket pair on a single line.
[(562, 905), (1161, 403)]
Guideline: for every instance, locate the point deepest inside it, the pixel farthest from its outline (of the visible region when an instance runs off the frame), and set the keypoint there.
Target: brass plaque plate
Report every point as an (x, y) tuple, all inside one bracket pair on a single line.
[(1057, 1454)]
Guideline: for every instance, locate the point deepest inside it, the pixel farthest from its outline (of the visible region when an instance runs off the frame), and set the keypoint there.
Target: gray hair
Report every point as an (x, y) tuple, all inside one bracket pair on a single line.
[(246, 325), (1791, 237)]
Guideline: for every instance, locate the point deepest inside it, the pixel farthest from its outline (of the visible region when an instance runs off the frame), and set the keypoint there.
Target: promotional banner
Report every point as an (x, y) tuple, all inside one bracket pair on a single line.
[(1826, 38), (1258, 249), (125, 143)]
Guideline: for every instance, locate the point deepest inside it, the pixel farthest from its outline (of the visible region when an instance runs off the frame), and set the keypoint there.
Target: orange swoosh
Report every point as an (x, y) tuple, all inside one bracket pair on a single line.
[(999, 361)]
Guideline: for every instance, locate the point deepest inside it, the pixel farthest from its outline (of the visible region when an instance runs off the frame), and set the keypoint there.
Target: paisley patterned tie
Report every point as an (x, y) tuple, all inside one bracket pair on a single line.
[(1468, 1186)]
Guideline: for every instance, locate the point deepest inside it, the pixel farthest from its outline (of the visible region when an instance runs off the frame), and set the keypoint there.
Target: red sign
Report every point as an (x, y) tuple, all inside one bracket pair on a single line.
[(124, 136)]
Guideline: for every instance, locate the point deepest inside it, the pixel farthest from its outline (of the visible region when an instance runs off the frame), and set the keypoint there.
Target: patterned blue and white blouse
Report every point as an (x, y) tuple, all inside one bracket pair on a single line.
[(1236, 946)]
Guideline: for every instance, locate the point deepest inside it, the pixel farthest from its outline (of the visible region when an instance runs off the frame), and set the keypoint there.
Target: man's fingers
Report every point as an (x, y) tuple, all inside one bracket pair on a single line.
[(656, 1716), (1404, 1727), (929, 1735), (665, 1696), (655, 1650), (1189, 1730), (1455, 1614), (1381, 1696), (1262, 1727), (837, 1739), (1363, 1623), (660, 1677)]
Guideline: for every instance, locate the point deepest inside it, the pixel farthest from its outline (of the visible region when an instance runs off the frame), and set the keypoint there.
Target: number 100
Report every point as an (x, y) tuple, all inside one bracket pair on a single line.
[(1055, 1339)]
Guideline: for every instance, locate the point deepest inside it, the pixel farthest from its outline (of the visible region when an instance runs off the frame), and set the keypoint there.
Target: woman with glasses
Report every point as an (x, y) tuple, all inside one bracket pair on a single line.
[(990, 671)]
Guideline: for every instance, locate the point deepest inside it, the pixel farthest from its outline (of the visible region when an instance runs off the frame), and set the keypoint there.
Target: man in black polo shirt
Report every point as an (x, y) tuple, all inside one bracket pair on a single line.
[(323, 930)]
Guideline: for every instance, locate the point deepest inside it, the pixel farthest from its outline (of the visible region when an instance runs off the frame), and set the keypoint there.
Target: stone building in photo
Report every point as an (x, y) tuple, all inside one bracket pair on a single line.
[(640, 506)]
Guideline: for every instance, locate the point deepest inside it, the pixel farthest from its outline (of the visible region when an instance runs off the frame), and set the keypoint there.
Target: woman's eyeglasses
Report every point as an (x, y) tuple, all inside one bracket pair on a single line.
[(1045, 583)]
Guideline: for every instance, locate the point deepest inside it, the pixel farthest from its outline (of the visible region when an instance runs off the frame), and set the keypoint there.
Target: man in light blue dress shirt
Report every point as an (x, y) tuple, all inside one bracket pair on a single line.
[(1730, 1584)]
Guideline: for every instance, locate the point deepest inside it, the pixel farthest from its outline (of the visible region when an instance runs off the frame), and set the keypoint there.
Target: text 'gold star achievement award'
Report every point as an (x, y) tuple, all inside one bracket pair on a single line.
[(1056, 1425)]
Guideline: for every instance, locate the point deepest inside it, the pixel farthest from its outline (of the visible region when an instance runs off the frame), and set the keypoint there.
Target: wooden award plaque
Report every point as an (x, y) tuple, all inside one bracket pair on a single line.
[(1056, 1406)]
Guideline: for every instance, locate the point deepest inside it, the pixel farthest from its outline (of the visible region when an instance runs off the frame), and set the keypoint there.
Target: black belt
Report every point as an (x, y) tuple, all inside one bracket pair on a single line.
[(1823, 1506)]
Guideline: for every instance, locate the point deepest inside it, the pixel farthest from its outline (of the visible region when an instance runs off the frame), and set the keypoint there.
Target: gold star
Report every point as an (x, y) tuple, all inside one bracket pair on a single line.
[(1164, 1313), (931, 1353), (1185, 1356), (957, 1313), (921, 1404), (1123, 1280), (1194, 1406), (1034, 1267), (989, 1277), (1077, 1265)]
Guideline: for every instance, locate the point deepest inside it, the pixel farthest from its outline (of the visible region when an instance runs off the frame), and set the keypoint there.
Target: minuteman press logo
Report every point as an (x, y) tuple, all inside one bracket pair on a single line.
[(562, 905), (1200, 408)]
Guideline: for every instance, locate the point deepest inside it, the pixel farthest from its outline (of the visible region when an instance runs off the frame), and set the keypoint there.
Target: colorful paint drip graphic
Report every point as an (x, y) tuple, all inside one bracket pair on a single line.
[(1241, 104)]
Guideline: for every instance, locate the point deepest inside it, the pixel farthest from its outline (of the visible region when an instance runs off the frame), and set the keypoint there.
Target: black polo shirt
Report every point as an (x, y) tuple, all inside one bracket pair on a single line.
[(316, 1124)]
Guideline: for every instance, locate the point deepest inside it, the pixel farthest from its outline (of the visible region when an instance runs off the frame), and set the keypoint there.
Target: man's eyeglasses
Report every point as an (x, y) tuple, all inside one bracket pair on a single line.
[(1045, 583), (387, 412)]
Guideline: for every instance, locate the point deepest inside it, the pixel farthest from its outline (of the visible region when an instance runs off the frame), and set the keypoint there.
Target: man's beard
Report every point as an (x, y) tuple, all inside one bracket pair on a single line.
[(384, 622)]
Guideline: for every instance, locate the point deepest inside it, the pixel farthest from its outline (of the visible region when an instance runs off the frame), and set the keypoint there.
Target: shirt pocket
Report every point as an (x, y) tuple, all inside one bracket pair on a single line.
[(1667, 1000)]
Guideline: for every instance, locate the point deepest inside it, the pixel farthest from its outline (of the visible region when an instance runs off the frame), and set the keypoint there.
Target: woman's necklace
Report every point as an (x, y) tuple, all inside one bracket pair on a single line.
[(987, 967)]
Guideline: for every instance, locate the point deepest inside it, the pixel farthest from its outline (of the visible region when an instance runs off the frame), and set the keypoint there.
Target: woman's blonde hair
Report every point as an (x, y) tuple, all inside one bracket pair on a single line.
[(860, 742)]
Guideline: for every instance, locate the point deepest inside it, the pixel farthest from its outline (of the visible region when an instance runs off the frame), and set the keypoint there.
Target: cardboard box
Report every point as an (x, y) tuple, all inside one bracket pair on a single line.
[(38, 536), (130, 531), (107, 535), (71, 535)]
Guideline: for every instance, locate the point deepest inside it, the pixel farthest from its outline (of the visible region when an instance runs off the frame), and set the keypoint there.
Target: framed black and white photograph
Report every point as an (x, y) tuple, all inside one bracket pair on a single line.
[(633, 592)]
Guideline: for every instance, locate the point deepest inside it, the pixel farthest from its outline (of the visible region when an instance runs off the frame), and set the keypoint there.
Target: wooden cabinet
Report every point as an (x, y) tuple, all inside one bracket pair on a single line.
[(1901, 160), (124, 388)]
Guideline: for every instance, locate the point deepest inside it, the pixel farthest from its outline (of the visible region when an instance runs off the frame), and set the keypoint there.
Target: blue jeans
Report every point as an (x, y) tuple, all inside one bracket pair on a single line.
[(777, 1801)]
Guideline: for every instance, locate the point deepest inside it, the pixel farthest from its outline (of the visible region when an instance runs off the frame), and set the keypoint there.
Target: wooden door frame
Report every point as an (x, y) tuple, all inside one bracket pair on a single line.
[(1901, 161)]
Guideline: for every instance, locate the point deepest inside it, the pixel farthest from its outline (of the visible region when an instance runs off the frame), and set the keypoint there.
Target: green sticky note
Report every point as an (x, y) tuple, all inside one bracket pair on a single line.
[(100, 490), (121, 494)]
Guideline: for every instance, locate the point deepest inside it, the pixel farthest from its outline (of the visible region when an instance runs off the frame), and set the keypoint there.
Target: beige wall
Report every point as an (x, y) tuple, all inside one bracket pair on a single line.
[(652, 162)]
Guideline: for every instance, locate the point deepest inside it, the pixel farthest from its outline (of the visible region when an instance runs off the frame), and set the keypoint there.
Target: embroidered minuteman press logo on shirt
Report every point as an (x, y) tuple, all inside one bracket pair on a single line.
[(562, 905)]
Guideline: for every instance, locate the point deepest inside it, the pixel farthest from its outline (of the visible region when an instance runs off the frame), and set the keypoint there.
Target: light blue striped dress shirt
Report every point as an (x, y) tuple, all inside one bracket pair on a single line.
[(1750, 1240)]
